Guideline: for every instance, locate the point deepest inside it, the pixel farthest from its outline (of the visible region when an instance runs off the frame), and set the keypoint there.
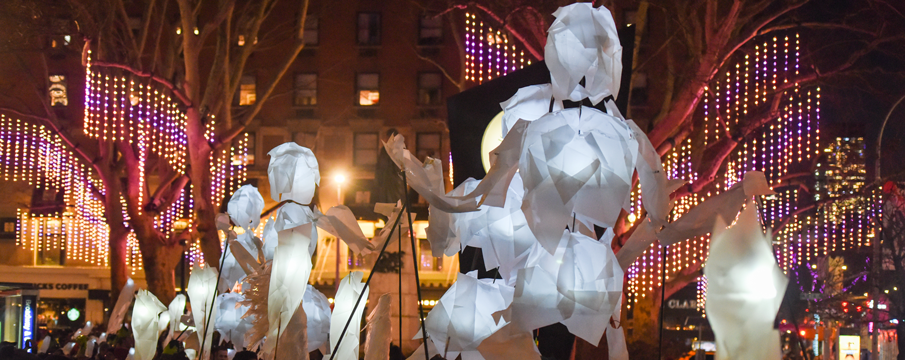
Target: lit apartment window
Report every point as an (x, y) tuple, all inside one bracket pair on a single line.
[(430, 31), (57, 91), (305, 90), (369, 29), (365, 151), (247, 92), (429, 88), (368, 89), (310, 35), (427, 144)]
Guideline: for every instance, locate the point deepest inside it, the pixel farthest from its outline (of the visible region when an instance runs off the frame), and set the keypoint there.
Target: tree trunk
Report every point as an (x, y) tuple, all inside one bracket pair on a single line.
[(119, 272), (160, 261)]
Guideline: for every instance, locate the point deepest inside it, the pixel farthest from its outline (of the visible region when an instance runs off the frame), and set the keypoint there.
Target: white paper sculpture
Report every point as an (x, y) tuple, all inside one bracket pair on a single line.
[(89, 347), (582, 43), (201, 289), (270, 239), (615, 336), (509, 343), (377, 346), (529, 103), (425, 178), (245, 207), (175, 310), (145, 315), (317, 310), (122, 306), (229, 322), (293, 173), (292, 341), (579, 285), (464, 316), (350, 289), (340, 221), (744, 289), (289, 275)]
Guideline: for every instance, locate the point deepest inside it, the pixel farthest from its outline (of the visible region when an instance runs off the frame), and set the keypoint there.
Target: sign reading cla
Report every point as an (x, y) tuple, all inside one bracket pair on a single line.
[(682, 304)]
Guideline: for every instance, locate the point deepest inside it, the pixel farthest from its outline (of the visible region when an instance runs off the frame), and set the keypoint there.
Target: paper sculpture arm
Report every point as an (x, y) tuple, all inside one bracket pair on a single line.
[(340, 221)]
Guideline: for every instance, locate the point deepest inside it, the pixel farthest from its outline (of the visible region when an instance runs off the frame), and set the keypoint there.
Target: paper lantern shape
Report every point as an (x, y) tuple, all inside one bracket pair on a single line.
[(350, 289), (582, 43), (201, 289), (289, 275), (293, 173), (122, 306), (145, 327), (270, 239), (245, 207), (230, 323), (44, 345), (575, 164), (745, 287), (292, 216), (377, 346), (89, 347), (340, 221), (317, 310), (464, 316), (699, 220), (175, 309), (579, 285)]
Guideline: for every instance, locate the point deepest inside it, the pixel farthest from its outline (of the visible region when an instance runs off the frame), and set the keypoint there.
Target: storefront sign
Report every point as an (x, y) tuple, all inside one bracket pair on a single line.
[(60, 286), (682, 304), (28, 319), (849, 347)]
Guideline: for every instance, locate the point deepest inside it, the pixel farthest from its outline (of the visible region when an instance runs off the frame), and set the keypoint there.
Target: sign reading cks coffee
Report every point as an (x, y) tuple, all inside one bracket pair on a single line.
[(60, 286)]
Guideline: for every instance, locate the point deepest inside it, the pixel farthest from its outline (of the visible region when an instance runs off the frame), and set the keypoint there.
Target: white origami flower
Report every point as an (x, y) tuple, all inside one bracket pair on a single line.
[(145, 315), (745, 288), (293, 173), (175, 310), (582, 43), (463, 317), (350, 289), (201, 289), (245, 207)]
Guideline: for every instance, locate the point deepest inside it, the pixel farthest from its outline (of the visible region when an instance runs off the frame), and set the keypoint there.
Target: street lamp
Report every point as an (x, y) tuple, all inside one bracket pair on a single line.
[(877, 252), (340, 179)]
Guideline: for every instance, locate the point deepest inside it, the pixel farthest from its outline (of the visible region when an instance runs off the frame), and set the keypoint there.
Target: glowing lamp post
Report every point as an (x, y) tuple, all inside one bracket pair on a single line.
[(340, 179)]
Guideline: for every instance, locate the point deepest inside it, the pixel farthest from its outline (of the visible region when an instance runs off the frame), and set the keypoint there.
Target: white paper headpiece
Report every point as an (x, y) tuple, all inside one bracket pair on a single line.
[(245, 207), (293, 173)]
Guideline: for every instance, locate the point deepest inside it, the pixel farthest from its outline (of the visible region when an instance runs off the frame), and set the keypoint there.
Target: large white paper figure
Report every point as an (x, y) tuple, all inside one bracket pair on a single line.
[(145, 315), (293, 173), (245, 207), (377, 346), (201, 289), (340, 221), (122, 307), (175, 310), (582, 43), (464, 316), (317, 310), (699, 220), (350, 289), (744, 289), (293, 341), (579, 285), (289, 276), (229, 322)]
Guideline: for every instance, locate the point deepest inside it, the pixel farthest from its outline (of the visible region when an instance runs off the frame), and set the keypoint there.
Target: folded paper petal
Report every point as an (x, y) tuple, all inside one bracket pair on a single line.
[(230, 322), (288, 279), (201, 289), (145, 326), (340, 221), (317, 310), (349, 291), (122, 307)]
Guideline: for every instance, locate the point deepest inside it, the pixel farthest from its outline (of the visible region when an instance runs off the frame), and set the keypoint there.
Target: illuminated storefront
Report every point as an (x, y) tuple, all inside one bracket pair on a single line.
[(17, 314)]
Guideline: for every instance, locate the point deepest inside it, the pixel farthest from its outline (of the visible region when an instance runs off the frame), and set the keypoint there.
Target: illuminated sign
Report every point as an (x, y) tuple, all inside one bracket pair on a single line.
[(28, 321), (682, 304), (849, 347), (73, 314)]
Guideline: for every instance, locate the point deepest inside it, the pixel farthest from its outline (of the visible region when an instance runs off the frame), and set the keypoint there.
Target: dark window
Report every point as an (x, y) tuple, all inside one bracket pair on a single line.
[(427, 144), (365, 151), (429, 85), (368, 89), (305, 88), (310, 35), (639, 89), (430, 31), (369, 29), (306, 139), (271, 141)]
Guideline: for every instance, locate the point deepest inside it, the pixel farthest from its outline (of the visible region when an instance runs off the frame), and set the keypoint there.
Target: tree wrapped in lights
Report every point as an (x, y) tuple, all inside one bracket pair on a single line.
[(144, 121)]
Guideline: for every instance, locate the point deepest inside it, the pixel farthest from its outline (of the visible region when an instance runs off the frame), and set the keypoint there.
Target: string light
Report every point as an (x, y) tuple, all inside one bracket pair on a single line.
[(488, 52)]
